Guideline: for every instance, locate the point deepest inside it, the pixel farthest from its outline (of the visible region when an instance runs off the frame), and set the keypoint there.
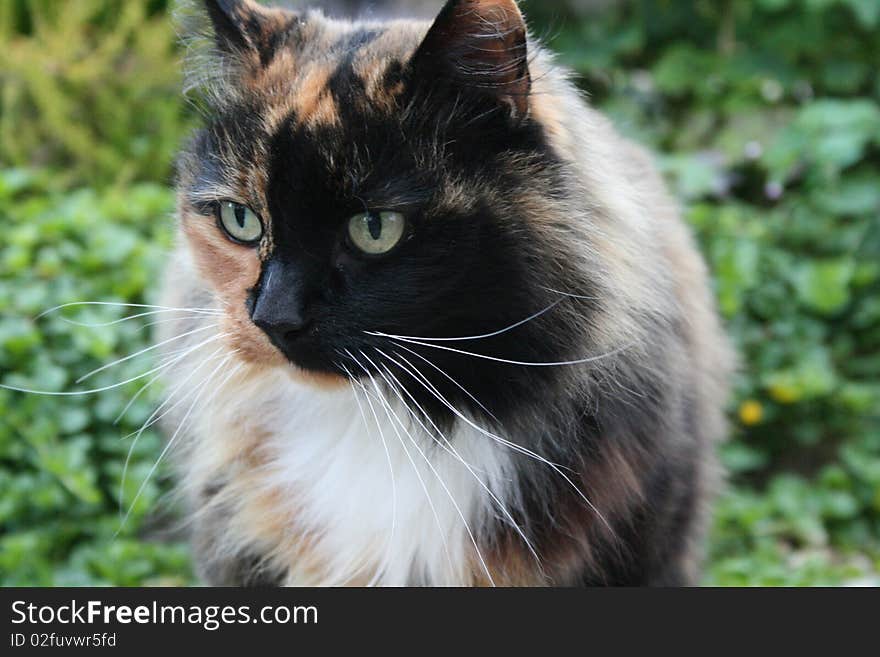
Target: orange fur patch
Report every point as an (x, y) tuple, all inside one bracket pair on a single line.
[(232, 271), (314, 103)]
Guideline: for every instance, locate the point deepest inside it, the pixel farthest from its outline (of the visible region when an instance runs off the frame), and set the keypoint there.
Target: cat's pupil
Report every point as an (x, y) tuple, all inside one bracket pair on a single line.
[(374, 224), (240, 215)]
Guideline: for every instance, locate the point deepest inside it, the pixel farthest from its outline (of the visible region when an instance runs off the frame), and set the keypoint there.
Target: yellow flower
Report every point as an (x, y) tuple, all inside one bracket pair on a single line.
[(751, 413), (784, 394)]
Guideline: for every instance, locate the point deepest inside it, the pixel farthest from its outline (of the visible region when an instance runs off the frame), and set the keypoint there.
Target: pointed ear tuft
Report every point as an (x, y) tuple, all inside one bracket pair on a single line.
[(230, 25), (227, 41), (481, 44), (244, 26)]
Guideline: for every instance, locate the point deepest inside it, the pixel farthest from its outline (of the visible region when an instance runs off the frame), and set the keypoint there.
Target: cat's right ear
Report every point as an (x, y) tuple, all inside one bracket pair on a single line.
[(480, 44)]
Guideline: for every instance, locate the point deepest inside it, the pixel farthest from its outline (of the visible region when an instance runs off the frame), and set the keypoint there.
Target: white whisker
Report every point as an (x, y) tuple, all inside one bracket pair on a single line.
[(166, 361), (569, 295), (478, 337), (170, 444), (152, 419), (210, 311), (160, 322), (418, 474), (436, 474), (390, 546), (146, 350), (138, 316), (425, 383), (82, 393), (456, 383), (454, 452), (518, 448), (582, 361)]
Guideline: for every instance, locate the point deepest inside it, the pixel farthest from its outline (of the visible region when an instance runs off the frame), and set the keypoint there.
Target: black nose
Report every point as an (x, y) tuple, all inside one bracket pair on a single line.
[(280, 308), (282, 333)]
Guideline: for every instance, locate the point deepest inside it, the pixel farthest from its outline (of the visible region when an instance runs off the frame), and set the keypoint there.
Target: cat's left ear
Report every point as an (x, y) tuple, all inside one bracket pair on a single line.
[(482, 44), (244, 25)]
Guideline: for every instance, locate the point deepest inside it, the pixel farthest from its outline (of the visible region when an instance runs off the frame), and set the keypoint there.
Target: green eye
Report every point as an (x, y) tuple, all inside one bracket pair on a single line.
[(240, 223), (377, 233)]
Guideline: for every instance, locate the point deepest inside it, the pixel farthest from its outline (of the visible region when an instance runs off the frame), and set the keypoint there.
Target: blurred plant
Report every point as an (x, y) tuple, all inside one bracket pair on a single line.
[(61, 458), (766, 116), (90, 88)]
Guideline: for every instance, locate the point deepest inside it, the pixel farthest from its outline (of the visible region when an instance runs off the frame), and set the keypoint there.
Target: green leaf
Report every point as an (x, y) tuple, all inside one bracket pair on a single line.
[(811, 377), (867, 11), (824, 286), (830, 135)]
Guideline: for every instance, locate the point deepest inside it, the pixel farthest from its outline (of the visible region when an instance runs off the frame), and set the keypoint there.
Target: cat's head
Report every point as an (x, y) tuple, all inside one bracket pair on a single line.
[(363, 178)]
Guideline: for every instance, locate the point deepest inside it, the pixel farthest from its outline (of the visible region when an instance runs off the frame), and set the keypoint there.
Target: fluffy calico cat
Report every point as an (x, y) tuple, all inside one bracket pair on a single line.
[(456, 333)]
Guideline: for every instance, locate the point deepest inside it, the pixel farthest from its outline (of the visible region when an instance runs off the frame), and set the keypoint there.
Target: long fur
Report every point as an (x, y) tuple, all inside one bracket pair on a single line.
[(391, 452)]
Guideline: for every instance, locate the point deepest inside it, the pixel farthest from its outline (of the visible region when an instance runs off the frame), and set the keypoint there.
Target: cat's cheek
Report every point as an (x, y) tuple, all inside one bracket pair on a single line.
[(231, 271), (251, 344)]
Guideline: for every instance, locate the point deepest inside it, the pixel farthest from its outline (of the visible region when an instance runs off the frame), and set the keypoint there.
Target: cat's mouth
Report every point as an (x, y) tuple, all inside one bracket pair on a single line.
[(303, 348), (308, 357)]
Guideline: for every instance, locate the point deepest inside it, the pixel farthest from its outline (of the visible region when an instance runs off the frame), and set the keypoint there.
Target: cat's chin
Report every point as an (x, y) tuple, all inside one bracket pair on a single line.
[(321, 380)]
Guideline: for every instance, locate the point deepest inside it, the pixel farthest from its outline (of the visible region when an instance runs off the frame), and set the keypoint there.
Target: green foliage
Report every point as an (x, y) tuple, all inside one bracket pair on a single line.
[(766, 116), (85, 88), (61, 458)]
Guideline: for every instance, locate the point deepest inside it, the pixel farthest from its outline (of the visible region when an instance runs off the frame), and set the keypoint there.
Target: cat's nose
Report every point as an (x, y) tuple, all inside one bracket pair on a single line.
[(282, 332), (280, 308)]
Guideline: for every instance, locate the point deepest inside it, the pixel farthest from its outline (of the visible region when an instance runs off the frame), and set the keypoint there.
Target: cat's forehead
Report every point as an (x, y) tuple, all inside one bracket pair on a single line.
[(360, 111), (335, 65), (327, 104)]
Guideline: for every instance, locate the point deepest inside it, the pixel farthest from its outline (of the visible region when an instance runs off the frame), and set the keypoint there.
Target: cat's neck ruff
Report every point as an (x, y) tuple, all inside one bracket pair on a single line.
[(346, 488)]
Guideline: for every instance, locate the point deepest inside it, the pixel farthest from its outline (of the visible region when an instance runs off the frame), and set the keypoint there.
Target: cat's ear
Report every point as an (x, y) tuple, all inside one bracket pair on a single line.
[(481, 44), (245, 27), (227, 42), (237, 32)]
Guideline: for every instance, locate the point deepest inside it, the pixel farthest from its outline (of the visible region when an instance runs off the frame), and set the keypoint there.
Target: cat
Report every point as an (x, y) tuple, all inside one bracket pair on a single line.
[(455, 331)]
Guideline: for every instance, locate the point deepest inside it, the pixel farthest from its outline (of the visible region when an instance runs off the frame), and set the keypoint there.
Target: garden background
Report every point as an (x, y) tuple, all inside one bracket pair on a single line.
[(765, 116)]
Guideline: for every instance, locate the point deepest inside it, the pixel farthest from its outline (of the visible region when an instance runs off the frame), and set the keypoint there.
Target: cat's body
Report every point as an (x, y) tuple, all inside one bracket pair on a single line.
[(389, 460)]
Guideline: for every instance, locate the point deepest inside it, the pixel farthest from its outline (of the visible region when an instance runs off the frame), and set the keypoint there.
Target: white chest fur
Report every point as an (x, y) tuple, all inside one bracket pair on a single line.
[(357, 490)]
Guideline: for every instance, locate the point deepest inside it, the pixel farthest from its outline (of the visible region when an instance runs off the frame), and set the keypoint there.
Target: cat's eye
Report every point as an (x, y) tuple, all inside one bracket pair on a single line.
[(377, 233), (240, 223)]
